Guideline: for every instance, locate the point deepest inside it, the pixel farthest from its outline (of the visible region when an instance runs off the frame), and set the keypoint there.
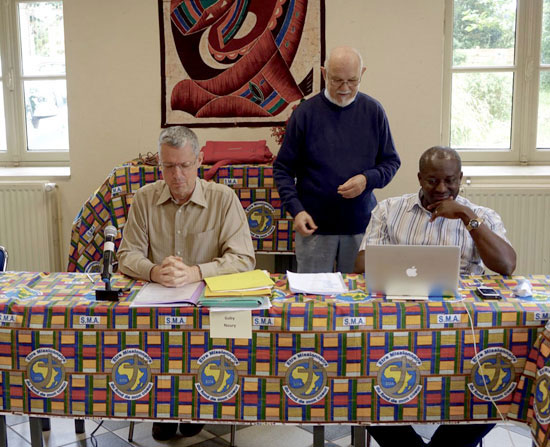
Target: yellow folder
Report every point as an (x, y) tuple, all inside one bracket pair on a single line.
[(246, 292), (255, 279)]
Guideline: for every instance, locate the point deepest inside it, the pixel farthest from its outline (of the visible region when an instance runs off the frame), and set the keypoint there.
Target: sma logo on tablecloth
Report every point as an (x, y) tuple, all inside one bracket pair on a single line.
[(261, 219), (45, 372), (398, 378), (542, 396), (306, 378), (493, 372), (217, 378), (131, 374)]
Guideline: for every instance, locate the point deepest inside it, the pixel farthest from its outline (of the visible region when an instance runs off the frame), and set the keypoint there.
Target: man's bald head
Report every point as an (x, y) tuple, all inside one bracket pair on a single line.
[(344, 55), (342, 72), (438, 153)]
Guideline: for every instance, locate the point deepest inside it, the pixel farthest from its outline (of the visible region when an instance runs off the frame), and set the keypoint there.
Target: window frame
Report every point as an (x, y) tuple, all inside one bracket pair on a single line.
[(14, 98), (525, 92)]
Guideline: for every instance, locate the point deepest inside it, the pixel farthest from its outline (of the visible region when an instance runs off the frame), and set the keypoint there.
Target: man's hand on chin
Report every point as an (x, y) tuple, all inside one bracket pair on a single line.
[(174, 273), (449, 209)]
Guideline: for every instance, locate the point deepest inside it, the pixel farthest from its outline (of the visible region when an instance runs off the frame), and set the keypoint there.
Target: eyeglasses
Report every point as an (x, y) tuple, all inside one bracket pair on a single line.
[(184, 166), (341, 82)]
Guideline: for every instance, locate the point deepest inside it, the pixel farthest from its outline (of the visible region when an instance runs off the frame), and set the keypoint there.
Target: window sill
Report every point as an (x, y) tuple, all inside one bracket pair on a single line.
[(506, 171), (35, 173)]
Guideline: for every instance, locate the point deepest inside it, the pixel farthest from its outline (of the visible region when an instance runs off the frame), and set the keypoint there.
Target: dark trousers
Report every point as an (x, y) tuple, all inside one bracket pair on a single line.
[(450, 435)]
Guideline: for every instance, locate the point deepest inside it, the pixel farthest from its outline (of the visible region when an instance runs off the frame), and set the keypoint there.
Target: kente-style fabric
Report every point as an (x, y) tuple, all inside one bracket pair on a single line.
[(271, 228), (345, 359)]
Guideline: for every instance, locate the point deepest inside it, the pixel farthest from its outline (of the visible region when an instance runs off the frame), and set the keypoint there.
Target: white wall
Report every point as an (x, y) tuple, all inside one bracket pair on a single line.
[(113, 77)]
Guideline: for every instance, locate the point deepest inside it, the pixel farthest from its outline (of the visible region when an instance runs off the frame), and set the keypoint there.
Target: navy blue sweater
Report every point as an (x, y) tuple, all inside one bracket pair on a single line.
[(324, 146)]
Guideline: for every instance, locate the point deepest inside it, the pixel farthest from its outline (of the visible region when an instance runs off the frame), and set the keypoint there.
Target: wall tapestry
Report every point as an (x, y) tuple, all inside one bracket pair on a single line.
[(238, 62)]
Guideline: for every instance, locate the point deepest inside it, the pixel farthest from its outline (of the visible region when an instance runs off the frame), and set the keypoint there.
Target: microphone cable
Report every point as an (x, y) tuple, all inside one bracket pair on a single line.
[(93, 439), (472, 328)]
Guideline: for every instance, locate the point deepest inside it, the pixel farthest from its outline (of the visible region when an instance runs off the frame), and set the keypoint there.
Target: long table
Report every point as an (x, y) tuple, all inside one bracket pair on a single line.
[(351, 359)]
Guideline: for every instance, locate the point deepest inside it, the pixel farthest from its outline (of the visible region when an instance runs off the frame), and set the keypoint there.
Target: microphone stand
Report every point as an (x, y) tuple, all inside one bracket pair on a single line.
[(108, 257), (108, 294)]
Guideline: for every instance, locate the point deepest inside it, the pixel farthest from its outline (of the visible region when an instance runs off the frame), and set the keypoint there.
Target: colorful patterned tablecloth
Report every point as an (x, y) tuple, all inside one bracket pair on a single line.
[(534, 388), (270, 226), (345, 359)]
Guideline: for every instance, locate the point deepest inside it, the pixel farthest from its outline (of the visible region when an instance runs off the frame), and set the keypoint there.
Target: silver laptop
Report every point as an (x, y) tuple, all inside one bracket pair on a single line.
[(412, 271)]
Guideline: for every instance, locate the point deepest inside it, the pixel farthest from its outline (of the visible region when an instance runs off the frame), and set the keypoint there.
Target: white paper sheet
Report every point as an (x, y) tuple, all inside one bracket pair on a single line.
[(316, 283), (156, 295)]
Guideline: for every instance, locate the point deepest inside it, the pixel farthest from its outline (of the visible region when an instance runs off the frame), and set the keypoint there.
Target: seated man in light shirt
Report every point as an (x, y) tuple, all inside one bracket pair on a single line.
[(437, 215), (183, 229)]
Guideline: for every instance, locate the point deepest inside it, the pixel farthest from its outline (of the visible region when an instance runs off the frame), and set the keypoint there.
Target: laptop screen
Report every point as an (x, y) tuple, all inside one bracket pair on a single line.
[(412, 270)]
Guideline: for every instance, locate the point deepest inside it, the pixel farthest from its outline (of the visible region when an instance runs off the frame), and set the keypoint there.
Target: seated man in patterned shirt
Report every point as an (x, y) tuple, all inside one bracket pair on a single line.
[(183, 229), (437, 215)]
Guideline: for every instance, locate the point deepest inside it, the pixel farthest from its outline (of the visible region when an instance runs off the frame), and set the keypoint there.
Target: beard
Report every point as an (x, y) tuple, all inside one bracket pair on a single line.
[(338, 101)]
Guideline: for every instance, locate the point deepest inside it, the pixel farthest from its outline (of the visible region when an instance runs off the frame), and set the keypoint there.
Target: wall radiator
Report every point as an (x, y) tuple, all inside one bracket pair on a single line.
[(525, 211), (30, 225)]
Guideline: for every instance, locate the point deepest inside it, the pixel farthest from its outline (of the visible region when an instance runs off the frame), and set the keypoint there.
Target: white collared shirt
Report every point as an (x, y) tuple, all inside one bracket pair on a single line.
[(404, 221)]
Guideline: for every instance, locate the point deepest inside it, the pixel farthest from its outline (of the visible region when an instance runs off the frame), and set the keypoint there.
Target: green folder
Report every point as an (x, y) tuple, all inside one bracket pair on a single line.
[(233, 301)]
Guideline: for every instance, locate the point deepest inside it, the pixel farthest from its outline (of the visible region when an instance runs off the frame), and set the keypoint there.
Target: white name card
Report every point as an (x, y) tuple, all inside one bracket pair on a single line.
[(231, 324)]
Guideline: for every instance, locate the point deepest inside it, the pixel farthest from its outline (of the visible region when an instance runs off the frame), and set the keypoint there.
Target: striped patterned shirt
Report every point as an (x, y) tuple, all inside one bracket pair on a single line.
[(404, 221)]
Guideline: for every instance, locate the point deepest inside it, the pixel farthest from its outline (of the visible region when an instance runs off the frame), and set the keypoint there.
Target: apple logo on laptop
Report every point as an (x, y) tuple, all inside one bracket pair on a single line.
[(411, 272)]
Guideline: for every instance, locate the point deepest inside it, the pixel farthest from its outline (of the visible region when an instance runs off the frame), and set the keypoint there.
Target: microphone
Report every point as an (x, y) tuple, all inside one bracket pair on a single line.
[(108, 255)]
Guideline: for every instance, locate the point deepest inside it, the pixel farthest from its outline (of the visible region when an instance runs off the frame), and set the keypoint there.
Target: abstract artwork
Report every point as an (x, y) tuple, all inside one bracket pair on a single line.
[(238, 62)]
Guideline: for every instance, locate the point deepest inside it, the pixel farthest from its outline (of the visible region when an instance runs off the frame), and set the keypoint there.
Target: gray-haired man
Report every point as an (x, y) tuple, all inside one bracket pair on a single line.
[(182, 229)]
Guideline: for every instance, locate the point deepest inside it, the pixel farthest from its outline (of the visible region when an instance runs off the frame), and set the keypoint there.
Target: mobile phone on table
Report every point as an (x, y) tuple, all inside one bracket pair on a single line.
[(488, 293)]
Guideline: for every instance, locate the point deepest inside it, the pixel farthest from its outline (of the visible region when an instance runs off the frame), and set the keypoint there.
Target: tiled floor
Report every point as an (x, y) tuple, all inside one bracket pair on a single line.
[(115, 434)]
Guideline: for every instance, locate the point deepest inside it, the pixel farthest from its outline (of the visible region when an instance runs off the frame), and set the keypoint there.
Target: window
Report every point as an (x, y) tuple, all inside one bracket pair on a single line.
[(33, 94), (497, 80)]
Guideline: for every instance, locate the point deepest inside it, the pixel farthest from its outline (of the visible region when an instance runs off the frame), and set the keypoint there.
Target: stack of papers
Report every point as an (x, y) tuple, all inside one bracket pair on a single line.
[(248, 290), (316, 283), (156, 295), (238, 290)]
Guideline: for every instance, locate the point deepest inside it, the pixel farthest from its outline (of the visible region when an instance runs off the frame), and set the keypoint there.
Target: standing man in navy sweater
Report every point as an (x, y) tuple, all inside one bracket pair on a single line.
[(337, 149)]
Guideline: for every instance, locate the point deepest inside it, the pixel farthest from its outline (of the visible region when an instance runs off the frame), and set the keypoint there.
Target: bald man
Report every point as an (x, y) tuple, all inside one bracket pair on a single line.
[(337, 149)]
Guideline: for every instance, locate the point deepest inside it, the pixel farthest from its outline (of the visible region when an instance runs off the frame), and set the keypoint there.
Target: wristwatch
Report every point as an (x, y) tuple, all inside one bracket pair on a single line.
[(474, 223)]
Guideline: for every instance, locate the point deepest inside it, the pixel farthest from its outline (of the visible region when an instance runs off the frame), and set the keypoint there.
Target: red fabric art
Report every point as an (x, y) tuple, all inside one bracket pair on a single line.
[(238, 55)]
